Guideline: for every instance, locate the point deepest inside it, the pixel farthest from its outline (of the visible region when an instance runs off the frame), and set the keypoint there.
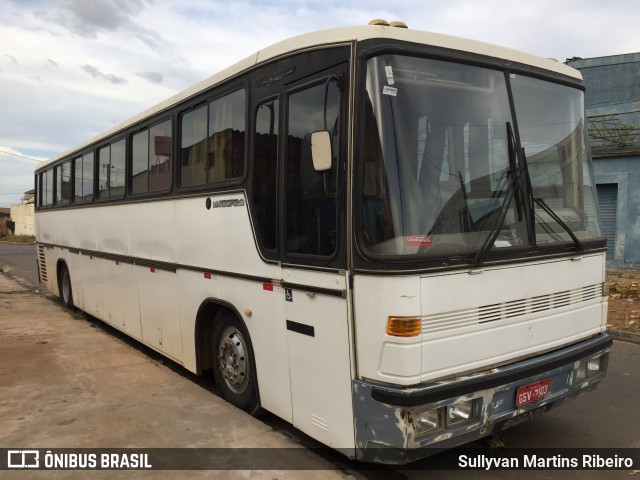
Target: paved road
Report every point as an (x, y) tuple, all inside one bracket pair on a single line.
[(68, 381), (21, 259), (608, 417)]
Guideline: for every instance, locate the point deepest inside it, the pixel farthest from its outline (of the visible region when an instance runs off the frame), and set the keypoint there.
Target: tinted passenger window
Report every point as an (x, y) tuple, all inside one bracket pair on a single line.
[(140, 162), (63, 183), (212, 141), (151, 152), (311, 205), (83, 178), (111, 161), (160, 156), (117, 171), (47, 188), (193, 147), (265, 170), (226, 134)]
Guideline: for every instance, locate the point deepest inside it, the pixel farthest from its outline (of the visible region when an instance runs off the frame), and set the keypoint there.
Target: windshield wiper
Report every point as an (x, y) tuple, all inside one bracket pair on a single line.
[(514, 189), (514, 185), (540, 201), (554, 215), (504, 208)]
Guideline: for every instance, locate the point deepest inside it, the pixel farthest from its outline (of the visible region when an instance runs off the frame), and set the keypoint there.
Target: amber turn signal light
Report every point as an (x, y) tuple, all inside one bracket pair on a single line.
[(403, 326)]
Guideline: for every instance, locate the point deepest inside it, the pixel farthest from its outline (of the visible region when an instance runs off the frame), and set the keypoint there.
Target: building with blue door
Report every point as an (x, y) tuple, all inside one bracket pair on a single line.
[(612, 103)]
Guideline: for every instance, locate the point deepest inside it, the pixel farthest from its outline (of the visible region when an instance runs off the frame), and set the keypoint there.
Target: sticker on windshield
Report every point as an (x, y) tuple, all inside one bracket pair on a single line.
[(389, 71), (419, 241), (502, 243), (390, 91)]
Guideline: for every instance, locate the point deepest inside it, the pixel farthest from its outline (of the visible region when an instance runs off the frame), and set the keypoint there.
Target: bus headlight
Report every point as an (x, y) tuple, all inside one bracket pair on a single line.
[(593, 366), (581, 373), (460, 412), (428, 421), (588, 369)]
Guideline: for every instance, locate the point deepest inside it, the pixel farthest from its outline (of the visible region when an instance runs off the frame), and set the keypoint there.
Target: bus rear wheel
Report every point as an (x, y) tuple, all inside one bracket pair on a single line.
[(233, 364), (66, 294)]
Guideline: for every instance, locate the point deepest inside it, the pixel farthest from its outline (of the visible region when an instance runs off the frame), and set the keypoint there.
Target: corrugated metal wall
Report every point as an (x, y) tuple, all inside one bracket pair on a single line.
[(608, 200)]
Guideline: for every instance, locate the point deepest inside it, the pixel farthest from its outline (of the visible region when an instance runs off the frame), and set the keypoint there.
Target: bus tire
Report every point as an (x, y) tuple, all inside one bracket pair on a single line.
[(233, 364), (66, 293)]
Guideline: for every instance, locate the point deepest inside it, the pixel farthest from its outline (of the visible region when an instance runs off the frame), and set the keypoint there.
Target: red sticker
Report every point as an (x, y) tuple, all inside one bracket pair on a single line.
[(207, 276), (267, 286), (419, 240), (152, 270)]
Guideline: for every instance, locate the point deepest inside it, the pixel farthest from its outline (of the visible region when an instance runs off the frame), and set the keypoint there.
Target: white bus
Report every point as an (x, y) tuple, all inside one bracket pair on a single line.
[(386, 237)]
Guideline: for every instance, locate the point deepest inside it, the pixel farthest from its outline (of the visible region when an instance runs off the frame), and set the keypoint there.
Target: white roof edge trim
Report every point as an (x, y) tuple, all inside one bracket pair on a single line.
[(325, 38)]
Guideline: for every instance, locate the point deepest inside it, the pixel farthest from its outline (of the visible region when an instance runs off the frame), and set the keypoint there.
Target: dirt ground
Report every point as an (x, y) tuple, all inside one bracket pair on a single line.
[(624, 300)]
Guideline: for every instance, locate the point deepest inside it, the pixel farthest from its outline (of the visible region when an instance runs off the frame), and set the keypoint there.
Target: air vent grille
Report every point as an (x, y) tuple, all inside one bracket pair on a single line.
[(42, 262), (506, 310)]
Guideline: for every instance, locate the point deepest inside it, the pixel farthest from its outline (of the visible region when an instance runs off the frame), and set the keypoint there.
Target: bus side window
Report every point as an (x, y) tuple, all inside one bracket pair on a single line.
[(63, 183), (117, 170), (111, 161), (265, 169), (140, 162), (83, 178), (311, 207), (193, 147), (151, 153), (160, 148), (47, 187), (226, 137)]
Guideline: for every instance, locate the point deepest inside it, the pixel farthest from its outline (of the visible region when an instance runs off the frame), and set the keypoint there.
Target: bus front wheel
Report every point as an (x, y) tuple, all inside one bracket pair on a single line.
[(233, 365)]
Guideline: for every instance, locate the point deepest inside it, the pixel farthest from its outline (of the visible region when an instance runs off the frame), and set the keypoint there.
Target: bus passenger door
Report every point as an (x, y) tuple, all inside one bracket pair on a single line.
[(319, 361), (314, 279)]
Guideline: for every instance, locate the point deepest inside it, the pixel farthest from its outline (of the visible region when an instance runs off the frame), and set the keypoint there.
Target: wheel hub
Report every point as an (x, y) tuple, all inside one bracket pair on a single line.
[(232, 359)]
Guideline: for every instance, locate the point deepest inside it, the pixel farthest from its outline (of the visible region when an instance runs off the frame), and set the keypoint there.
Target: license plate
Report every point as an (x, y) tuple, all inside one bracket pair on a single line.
[(532, 392)]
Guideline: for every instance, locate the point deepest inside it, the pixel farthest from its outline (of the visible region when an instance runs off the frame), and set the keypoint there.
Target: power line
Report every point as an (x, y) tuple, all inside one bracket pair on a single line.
[(15, 162), (21, 156)]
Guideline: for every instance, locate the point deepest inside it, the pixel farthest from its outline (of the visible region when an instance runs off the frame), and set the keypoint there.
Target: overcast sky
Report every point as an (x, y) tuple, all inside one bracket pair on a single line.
[(70, 69)]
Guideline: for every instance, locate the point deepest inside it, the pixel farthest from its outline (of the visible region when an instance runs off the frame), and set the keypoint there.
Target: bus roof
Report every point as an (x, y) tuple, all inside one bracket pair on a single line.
[(329, 37)]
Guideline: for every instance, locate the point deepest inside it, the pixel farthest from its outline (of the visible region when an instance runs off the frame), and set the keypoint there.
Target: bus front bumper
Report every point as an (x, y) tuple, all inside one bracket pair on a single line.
[(400, 425)]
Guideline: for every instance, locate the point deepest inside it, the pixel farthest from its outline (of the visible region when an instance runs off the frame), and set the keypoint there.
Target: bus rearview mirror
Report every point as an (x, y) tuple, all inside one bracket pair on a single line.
[(321, 150)]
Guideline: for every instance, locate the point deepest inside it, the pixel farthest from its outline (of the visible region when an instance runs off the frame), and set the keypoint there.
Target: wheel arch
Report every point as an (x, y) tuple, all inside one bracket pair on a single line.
[(60, 264), (208, 312)]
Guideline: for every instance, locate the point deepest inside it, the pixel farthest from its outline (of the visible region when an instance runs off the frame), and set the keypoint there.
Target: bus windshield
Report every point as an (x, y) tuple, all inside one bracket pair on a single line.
[(446, 172)]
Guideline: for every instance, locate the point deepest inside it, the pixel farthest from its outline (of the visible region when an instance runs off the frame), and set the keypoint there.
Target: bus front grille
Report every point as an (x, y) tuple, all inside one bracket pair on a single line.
[(507, 310)]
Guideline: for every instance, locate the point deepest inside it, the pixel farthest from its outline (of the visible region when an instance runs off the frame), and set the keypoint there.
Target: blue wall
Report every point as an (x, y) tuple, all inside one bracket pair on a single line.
[(612, 102), (624, 171), (613, 86)]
